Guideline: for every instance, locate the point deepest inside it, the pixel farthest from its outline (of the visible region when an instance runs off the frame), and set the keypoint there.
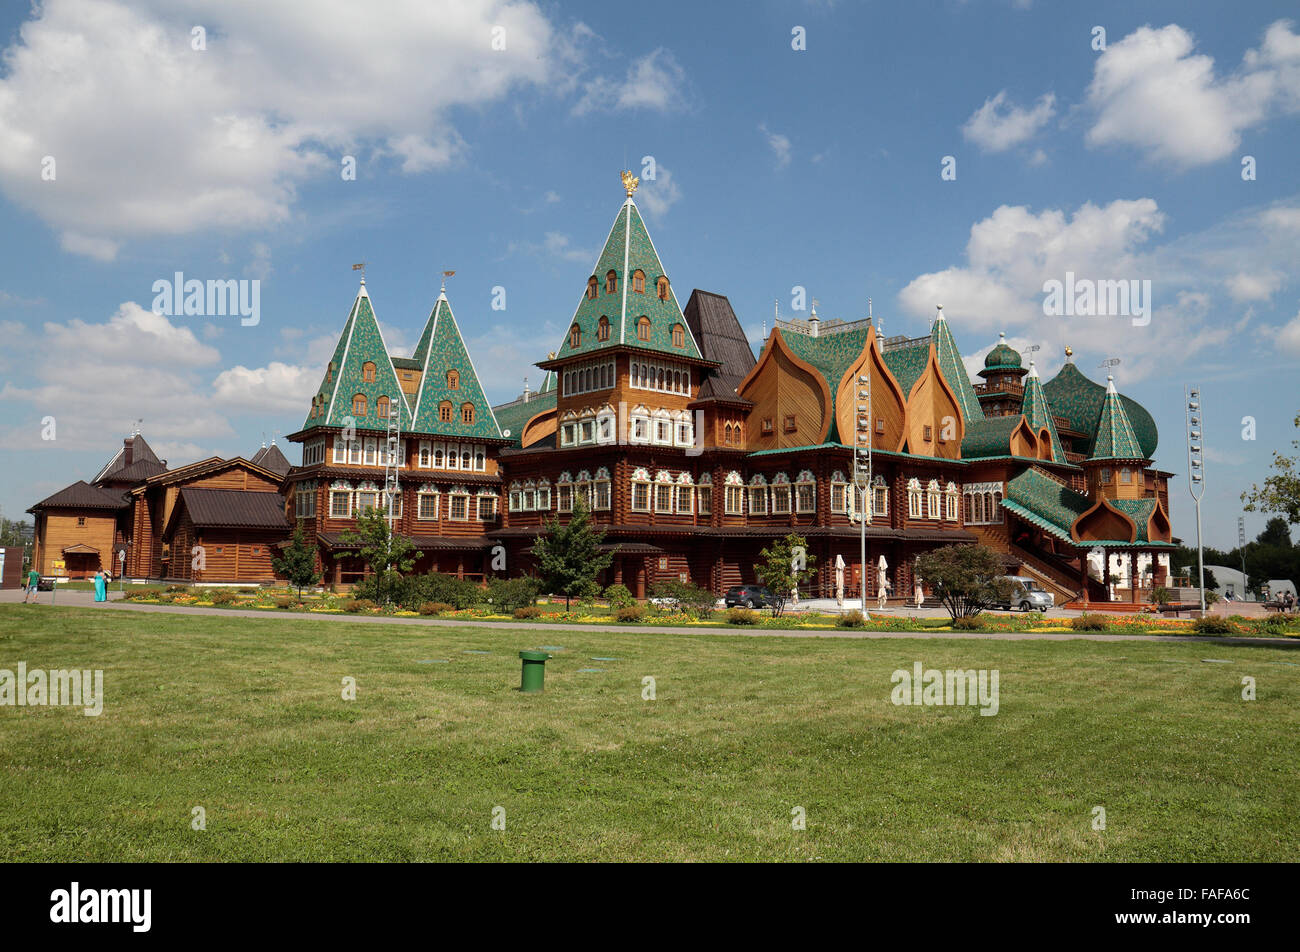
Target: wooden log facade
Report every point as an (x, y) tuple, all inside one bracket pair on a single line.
[(691, 453)]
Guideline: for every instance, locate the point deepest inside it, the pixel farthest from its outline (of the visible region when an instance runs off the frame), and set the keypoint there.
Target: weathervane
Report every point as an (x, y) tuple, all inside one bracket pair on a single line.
[(445, 276), (630, 182), (1109, 362), (360, 266)]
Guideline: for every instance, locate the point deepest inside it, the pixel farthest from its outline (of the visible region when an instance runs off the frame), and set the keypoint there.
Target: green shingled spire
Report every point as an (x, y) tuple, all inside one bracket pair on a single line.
[(954, 370), (449, 378), (628, 249), (1036, 411), (348, 375), (1115, 437)]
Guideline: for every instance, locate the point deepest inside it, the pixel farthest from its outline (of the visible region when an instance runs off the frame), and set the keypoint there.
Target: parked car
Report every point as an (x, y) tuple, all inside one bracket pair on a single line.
[(750, 596), (1026, 595)]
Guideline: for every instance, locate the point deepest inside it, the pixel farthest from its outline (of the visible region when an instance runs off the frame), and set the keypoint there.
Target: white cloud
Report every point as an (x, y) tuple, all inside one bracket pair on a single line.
[(1151, 91), (659, 195), (152, 137), (1011, 253), (998, 125), (655, 81), (1288, 337), (275, 387), (1254, 287), (779, 144), (553, 245)]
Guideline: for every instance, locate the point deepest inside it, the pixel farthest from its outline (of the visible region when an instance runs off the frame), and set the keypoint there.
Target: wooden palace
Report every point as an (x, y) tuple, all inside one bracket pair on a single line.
[(691, 453)]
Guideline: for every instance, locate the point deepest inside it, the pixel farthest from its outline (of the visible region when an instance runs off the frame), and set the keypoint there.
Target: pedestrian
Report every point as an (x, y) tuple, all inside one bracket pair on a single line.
[(101, 588), (33, 581)]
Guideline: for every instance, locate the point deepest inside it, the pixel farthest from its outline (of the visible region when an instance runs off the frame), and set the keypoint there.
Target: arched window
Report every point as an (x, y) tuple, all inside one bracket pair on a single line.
[(661, 288), (453, 379), (643, 330), (444, 411), (368, 372), (602, 329), (467, 413), (914, 503), (638, 281), (950, 500), (611, 282), (932, 500), (359, 405), (575, 336), (592, 287), (679, 336), (381, 408), (879, 497)]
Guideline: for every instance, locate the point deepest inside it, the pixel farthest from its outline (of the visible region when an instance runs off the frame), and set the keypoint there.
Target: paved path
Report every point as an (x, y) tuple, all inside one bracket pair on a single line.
[(85, 599)]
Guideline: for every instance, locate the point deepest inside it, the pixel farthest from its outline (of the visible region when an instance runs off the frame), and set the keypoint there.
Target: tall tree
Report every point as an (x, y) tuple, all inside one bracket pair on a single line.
[(786, 564), (387, 554), (1280, 491), (966, 578), (568, 556), (298, 564)]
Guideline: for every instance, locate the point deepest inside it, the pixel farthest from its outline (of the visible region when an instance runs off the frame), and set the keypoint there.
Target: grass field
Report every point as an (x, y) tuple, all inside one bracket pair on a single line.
[(244, 717)]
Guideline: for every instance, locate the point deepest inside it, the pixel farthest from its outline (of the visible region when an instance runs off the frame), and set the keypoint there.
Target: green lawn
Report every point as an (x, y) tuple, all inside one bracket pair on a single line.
[(244, 718)]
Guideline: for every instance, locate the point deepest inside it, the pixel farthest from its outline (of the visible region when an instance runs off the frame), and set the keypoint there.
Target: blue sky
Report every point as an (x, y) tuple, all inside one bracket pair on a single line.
[(774, 168)]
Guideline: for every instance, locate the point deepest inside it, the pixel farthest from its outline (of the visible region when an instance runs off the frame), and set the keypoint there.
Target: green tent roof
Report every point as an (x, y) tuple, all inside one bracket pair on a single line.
[(445, 351), (627, 250), (1115, 438), (1036, 411), (1076, 398), (360, 343)]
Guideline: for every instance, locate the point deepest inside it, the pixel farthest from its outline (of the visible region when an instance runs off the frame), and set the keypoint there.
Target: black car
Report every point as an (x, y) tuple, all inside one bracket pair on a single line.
[(750, 596)]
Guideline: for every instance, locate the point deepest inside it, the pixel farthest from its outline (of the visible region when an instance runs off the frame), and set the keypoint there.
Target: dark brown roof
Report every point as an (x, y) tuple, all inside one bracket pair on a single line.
[(82, 495), (137, 472), (141, 452), (721, 338), (270, 457), (234, 508)]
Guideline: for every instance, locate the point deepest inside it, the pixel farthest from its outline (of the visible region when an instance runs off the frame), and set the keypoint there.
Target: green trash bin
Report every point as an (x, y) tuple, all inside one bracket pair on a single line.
[(534, 671)]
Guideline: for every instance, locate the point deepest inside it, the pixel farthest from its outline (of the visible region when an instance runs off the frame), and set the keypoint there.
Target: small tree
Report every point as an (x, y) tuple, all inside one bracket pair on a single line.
[(384, 552), (786, 563), (1280, 491), (298, 564), (568, 556), (965, 578)]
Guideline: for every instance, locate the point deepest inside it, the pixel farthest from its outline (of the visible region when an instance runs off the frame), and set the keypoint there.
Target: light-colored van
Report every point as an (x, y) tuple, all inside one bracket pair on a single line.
[(1027, 595)]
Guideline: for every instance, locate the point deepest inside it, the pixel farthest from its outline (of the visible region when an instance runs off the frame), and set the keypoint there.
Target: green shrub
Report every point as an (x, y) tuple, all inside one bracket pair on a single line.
[(742, 616), (684, 597), (223, 596), (968, 623), (630, 613), (529, 611), (1090, 622), (851, 619), (618, 597), (354, 605), (412, 591), (283, 601), (1213, 625), (507, 594), (1271, 624), (436, 608)]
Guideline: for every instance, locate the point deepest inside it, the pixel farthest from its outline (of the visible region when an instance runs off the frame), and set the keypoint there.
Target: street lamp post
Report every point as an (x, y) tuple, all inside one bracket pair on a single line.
[(862, 474), (1196, 474), (1241, 544)]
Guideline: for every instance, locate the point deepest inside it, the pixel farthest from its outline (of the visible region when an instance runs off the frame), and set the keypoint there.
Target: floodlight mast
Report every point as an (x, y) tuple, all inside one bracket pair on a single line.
[(862, 475), (1196, 473)]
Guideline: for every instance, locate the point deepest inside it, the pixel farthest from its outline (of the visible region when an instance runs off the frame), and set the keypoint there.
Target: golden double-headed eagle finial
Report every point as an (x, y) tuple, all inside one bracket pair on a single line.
[(630, 182)]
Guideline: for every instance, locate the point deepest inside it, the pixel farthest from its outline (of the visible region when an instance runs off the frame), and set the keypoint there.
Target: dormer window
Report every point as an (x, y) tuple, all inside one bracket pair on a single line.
[(643, 328), (602, 329), (381, 408), (453, 379), (593, 287), (611, 282), (679, 336), (444, 411), (575, 336), (661, 288), (368, 372), (359, 405), (467, 413), (638, 281)]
